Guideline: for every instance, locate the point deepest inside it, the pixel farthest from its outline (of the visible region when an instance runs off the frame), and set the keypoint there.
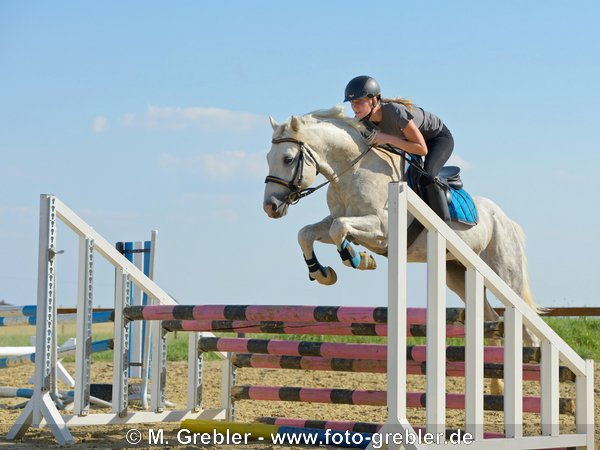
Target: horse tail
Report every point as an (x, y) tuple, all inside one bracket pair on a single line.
[(526, 293)]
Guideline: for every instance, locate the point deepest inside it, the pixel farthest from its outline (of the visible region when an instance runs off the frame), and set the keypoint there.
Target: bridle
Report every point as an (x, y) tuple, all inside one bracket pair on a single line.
[(296, 193), (295, 184)]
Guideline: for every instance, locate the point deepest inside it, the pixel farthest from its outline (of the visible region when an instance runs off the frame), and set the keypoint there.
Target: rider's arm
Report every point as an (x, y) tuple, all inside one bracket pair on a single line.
[(414, 142)]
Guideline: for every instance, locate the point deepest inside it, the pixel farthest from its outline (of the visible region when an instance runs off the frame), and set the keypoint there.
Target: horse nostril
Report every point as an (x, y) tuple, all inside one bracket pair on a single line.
[(269, 207)]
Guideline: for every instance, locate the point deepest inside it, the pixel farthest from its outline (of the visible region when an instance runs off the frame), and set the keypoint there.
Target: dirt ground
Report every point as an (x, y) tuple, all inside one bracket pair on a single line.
[(113, 437)]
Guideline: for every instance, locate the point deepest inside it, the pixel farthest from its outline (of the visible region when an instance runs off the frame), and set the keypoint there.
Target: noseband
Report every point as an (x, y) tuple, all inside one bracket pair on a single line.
[(294, 185)]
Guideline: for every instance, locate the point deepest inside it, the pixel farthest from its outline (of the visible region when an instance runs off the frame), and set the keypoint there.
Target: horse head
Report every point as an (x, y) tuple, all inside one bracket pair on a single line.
[(292, 167), (301, 150)]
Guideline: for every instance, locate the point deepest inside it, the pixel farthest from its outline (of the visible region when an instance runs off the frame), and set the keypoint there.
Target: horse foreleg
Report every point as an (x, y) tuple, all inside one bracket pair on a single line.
[(306, 238), (365, 229)]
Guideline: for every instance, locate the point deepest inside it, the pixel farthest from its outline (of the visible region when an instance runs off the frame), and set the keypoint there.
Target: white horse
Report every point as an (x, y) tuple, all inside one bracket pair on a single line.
[(332, 144)]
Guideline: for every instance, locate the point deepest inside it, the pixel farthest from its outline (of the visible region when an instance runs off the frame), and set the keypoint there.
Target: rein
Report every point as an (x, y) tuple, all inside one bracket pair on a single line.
[(294, 185)]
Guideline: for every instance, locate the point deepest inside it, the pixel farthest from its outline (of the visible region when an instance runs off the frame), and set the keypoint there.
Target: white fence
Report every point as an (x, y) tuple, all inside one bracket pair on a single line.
[(478, 275), (41, 410)]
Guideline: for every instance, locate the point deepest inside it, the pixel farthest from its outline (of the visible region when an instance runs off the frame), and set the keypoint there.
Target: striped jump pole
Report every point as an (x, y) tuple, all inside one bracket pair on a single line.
[(276, 327), (292, 432), (378, 398), (293, 348), (491, 329), (97, 317), (12, 392), (307, 363), (491, 354), (285, 435), (11, 361), (343, 350), (31, 311), (338, 425), (64, 396), (531, 372), (16, 311), (285, 313)]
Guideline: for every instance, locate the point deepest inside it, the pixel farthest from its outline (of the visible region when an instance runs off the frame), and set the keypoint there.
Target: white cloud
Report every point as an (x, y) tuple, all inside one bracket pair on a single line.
[(218, 166), (99, 124), (177, 118), (456, 160)]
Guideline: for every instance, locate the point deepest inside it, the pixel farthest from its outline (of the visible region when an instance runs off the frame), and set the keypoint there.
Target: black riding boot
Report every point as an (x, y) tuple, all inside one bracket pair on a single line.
[(435, 197)]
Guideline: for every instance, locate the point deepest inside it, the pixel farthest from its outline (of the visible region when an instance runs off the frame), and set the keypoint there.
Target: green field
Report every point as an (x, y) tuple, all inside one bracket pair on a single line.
[(581, 333)]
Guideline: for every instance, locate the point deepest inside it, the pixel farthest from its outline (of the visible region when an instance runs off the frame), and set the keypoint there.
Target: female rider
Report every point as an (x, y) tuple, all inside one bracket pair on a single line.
[(404, 125)]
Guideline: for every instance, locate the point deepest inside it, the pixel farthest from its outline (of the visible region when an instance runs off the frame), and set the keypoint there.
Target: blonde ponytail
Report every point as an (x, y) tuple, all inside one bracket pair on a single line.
[(402, 101)]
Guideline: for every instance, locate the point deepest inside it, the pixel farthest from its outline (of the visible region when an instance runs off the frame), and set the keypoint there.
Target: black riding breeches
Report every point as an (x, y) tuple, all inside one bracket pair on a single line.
[(439, 149)]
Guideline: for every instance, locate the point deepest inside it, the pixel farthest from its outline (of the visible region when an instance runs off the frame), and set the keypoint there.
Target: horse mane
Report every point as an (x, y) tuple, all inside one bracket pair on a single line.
[(335, 115)]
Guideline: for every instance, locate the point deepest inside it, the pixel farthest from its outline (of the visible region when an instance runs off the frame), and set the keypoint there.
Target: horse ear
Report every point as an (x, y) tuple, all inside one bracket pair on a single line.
[(295, 123), (274, 123)]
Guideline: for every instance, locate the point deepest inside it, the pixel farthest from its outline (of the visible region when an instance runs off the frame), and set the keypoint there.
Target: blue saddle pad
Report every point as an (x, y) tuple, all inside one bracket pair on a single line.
[(462, 208)]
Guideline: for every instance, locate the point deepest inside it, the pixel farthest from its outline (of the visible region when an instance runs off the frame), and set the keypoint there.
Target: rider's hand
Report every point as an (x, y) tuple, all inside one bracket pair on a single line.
[(380, 138)]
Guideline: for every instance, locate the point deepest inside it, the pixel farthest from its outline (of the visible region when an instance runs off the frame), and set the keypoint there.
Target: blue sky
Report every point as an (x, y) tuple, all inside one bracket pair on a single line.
[(152, 115)]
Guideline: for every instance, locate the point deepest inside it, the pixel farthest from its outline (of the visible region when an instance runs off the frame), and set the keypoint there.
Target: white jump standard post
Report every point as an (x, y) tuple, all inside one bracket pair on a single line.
[(41, 406), (397, 422), (83, 353)]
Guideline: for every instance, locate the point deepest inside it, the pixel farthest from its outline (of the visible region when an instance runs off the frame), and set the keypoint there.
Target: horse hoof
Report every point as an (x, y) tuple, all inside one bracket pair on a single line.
[(330, 279), (496, 386), (326, 280), (367, 262)]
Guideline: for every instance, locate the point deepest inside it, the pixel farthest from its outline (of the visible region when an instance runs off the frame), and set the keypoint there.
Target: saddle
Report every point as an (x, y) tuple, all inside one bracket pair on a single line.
[(450, 175), (460, 204)]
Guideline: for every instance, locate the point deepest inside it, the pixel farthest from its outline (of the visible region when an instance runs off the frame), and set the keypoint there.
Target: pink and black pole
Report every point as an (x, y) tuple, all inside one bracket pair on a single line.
[(276, 327), (357, 427), (284, 313), (378, 398), (346, 350), (491, 329), (531, 372), (257, 361), (293, 348)]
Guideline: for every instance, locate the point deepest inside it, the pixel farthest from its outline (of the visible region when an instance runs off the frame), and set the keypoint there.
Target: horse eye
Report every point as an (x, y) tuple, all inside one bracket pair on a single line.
[(288, 160)]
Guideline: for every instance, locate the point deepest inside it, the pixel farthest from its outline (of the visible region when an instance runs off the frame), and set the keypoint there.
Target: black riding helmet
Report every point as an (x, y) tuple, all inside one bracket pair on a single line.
[(362, 86)]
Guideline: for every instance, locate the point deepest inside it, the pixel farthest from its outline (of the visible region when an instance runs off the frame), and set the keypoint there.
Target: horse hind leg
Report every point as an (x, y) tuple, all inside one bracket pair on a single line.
[(510, 263), (455, 279), (306, 238), (357, 260), (365, 229)]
